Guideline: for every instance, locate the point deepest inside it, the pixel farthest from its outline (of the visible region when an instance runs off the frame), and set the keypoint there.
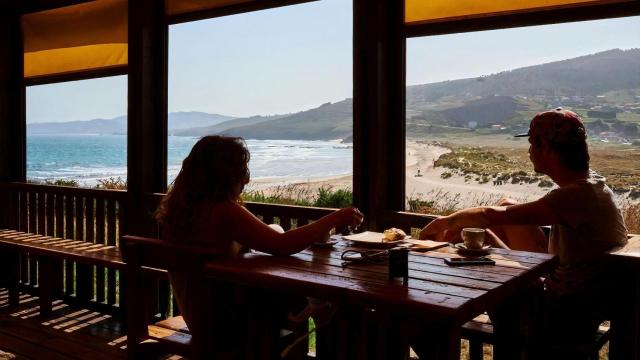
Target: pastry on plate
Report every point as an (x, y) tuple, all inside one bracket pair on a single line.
[(393, 234)]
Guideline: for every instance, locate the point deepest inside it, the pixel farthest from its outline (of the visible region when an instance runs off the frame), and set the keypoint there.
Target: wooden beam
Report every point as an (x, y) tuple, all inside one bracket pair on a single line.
[(545, 17), (12, 100), (31, 6), (77, 75), (379, 107), (231, 10), (147, 112)]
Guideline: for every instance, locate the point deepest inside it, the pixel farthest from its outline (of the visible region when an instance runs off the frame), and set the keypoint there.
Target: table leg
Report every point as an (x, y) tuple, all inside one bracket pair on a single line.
[(341, 336), (10, 269), (506, 329), (439, 341), (625, 325), (392, 343), (45, 285)]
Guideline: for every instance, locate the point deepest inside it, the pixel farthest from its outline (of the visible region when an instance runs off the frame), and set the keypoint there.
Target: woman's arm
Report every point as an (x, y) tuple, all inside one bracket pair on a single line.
[(532, 213), (249, 231)]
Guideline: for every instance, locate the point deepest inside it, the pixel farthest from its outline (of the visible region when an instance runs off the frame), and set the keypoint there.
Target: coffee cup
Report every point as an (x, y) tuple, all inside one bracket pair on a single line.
[(473, 237)]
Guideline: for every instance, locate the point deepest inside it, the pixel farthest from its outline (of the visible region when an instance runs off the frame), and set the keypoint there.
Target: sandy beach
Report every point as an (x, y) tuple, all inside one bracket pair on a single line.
[(428, 185)]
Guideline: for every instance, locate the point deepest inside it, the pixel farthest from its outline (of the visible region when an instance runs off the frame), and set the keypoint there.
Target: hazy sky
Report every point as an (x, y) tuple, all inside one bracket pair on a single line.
[(298, 57)]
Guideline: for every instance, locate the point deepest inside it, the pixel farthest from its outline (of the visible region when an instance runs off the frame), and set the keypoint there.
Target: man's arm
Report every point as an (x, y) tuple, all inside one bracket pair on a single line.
[(531, 213)]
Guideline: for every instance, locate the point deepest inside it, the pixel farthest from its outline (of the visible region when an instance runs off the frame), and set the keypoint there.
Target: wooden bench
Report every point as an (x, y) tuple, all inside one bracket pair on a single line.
[(46, 250), (479, 331), (625, 326), (172, 335)]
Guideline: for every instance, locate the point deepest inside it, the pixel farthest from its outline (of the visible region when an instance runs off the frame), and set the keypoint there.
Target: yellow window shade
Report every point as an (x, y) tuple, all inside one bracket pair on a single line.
[(87, 36), (177, 7), (421, 11)]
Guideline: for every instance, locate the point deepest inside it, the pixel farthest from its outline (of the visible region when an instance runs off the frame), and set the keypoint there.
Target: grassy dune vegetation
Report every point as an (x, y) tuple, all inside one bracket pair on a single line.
[(509, 163), (497, 165)]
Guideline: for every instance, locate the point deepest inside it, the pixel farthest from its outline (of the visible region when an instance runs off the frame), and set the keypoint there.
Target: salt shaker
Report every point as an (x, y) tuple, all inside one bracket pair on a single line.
[(399, 264)]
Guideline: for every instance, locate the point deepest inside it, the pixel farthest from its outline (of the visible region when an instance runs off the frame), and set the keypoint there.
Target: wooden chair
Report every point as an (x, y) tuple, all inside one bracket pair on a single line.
[(621, 261), (169, 336), (172, 336), (479, 331)]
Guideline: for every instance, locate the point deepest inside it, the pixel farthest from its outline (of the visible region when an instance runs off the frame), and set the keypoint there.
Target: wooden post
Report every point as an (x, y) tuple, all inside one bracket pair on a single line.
[(45, 285), (12, 108), (378, 108), (12, 135), (147, 114)]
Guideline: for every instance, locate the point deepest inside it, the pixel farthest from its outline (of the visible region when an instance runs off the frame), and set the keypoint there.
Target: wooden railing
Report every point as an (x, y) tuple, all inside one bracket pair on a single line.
[(90, 215), (97, 216)]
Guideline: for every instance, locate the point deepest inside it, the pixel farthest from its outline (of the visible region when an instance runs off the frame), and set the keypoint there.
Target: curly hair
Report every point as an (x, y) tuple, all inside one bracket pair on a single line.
[(216, 170)]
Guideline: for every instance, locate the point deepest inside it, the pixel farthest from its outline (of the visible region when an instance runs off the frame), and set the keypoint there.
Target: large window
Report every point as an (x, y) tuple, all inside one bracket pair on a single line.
[(468, 94), (282, 80), (76, 133)]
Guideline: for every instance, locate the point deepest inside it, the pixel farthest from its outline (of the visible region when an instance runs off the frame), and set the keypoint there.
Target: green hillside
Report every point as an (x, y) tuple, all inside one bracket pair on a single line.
[(326, 122), (604, 88)]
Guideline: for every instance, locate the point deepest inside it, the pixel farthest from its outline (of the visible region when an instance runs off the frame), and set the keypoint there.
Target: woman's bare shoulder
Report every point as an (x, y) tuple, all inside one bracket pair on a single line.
[(227, 209)]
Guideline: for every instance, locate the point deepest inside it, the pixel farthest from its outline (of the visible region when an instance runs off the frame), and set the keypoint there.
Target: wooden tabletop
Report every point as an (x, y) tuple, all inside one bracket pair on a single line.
[(434, 289)]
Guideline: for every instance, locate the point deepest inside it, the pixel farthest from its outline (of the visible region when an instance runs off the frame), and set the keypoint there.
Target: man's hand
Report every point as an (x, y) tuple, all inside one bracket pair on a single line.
[(439, 230), (507, 202)]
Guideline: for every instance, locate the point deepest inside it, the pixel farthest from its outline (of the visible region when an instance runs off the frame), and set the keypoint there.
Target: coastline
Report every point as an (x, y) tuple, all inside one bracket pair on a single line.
[(428, 186)]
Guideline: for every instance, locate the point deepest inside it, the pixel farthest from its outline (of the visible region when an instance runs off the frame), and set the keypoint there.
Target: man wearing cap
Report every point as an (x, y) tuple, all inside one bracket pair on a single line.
[(585, 224)]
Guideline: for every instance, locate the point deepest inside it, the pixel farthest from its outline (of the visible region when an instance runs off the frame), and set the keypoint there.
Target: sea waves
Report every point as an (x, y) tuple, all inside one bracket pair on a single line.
[(90, 158)]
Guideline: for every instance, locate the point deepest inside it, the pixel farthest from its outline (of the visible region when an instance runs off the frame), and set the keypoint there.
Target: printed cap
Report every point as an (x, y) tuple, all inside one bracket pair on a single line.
[(557, 126)]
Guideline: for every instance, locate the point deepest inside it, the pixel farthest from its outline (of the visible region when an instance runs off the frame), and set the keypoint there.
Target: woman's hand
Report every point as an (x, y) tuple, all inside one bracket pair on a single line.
[(348, 217)]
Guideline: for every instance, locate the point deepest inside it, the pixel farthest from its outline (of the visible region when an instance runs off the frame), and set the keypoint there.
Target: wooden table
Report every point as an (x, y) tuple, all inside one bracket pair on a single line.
[(436, 296)]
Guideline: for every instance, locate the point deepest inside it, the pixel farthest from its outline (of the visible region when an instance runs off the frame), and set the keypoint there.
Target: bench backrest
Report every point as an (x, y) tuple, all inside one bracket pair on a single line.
[(161, 254), (141, 253)]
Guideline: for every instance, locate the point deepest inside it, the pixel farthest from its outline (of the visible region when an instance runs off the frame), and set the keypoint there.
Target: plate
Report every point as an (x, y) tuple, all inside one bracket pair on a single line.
[(372, 238), (463, 249)]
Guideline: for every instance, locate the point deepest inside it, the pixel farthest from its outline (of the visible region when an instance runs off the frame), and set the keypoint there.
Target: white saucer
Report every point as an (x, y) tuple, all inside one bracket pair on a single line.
[(462, 248)]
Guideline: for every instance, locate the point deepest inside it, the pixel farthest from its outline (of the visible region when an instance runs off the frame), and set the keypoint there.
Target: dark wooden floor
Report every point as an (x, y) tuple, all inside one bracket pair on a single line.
[(69, 333)]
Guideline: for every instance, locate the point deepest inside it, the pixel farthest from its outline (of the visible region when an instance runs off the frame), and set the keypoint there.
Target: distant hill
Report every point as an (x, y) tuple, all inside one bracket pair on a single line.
[(482, 112), (326, 122), (223, 126), (506, 99), (586, 75), (118, 125), (190, 119)]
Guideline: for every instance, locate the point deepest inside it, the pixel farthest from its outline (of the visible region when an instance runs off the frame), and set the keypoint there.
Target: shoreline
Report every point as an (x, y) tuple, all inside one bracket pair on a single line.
[(428, 185)]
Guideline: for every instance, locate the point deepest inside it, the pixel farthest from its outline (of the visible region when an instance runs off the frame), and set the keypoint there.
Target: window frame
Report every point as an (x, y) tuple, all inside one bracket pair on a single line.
[(569, 14)]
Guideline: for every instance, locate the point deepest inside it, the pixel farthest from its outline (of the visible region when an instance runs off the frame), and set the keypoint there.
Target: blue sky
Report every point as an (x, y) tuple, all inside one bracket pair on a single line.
[(298, 57)]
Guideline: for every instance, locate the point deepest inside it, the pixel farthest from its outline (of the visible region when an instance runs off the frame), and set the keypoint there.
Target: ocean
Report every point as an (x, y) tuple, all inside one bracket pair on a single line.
[(88, 158)]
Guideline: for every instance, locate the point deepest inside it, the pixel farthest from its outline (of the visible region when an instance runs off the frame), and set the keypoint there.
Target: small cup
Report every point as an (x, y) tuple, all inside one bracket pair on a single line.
[(473, 238)]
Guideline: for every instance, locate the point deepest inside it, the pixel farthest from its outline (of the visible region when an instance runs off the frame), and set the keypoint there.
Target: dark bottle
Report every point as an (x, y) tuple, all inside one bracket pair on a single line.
[(399, 264)]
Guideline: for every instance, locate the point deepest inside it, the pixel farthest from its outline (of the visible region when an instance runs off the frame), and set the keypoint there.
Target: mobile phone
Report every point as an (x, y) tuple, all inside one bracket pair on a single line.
[(469, 261)]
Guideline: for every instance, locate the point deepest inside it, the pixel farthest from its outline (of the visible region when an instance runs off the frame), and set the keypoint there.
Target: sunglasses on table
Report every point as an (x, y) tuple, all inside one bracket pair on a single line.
[(366, 257)]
